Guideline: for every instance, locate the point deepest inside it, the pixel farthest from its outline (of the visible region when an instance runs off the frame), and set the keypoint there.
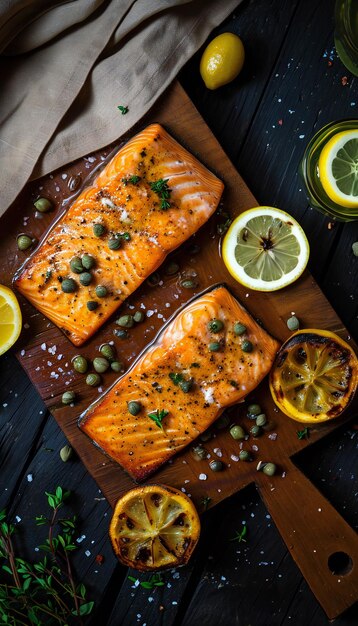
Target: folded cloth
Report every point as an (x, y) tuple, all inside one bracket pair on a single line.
[(65, 66)]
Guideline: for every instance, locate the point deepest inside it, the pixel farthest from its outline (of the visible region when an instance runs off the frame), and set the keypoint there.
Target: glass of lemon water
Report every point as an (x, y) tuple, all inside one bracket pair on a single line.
[(346, 33), (330, 170)]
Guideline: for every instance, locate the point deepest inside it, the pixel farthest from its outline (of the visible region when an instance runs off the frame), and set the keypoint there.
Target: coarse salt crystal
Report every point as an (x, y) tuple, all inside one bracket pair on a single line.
[(26, 325), (18, 518), (43, 346), (203, 477), (29, 478), (81, 538), (87, 553), (273, 436), (150, 313), (52, 350), (218, 452), (233, 457), (255, 448), (22, 352)]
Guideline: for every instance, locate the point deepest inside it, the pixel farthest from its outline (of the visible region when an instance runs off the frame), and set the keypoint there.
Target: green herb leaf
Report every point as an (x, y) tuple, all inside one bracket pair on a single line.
[(124, 110), (240, 534), (205, 501), (134, 180), (160, 187), (176, 378), (303, 434), (158, 416)]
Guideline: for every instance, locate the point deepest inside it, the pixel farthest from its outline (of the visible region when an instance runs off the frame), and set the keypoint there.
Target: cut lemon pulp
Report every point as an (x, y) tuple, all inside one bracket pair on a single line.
[(10, 319), (338, 168), (314, 376), (154, 527), (265, 249)]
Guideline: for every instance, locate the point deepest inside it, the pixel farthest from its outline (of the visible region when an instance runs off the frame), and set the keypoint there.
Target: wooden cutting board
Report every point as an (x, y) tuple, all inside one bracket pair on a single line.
[(323, 545)]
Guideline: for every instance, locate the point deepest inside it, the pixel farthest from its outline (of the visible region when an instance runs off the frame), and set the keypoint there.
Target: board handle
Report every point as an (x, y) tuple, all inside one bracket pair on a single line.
[(320, 541)]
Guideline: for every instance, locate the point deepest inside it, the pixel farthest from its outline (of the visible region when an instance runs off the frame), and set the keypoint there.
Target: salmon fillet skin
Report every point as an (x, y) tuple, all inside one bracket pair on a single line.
[(148, 199), (180, 385)]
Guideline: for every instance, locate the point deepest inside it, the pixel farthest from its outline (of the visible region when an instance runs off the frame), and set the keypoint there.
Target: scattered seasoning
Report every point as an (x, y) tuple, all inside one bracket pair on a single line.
[(24, 242), (66, 453), (107, 351), (88, 261), (240, 534), (101, 291), (80, 364), (247, 346), (92, 305), (85, 279), (239, 329), (68, 397), (244, 455), (202, 477), (160, 187), (116, 366), (99, 559), (303, 434), (93, 380), (134, 407), (186, 385), (43, 205), (100, 364), (154, 279), (138, 317), (126, 321), (261, 420), (123, 109), (237, 432), (98, 230), (76, 265), (330, 225), (176, 377), (134, 180), (215, 326), (68, 285), (293, 323), (158, 416), (216, 466), (355, 248)]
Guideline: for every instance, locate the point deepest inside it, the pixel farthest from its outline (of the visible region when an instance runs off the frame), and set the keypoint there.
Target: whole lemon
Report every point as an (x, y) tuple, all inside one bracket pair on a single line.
[(222, 60)]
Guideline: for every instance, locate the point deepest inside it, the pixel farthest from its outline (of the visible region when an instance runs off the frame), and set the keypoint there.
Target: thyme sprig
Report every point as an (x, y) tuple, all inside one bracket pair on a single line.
[(45, 591), (304, 433), (154, 581), (240, 534), (160, 187)]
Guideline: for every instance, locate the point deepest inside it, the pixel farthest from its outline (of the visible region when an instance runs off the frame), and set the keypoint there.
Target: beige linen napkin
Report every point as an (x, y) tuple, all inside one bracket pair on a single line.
[(67, 65)]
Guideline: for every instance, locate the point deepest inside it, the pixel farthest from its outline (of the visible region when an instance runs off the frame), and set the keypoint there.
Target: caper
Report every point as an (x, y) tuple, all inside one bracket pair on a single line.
[(244, 455), (68, 397), (239, 329), (92, 305), (114, 243), (222, 421), (116, 366), (80, 364), (255, 430), (88, 261), (172, 268), (293, 323), (269, 469), (66, 453), (187, 283), (100, 364), (206, 436), (76, 265), (134, 407), (214, 346), (154, 279), (186, 385), (24, 242), (261, 419), (121, 333), (85, 278), (216, 466), (107, 351), (253, 410), (126, 321), (247, 346), (93, 380), (138, 316), (215, 326), (237, 432), (355, 248), (199, 453), (68, 285), (101, 291), (43, 205), (98, 230)]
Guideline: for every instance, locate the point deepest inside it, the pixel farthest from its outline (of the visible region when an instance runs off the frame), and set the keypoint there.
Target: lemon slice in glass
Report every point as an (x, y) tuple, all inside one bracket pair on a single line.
[(265, 249), (10, 319), (338, 168), (154, 527)]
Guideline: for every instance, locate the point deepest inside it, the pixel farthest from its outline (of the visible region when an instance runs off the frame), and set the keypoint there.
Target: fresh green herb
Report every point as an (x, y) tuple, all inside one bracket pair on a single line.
[(48, 275), (124, 110), (160, 187), (176, 378), (205, 501), (240, 534), (303, 434), (224, 226), (134, 180), (45, 591), (154, 581), (158, 416)]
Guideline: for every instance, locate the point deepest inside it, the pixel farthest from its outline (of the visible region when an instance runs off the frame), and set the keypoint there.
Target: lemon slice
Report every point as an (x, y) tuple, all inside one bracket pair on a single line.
[(314, 376), (265, 249), (10, 319), (338, 168), (154, 527)]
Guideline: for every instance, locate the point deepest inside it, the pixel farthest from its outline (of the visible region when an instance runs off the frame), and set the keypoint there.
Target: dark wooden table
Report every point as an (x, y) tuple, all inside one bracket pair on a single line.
[(292, 84)]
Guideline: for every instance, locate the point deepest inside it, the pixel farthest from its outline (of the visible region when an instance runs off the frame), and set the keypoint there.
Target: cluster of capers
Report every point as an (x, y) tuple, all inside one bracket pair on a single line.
[(127, 321), (115, 241), (216, 326), (100, 364)]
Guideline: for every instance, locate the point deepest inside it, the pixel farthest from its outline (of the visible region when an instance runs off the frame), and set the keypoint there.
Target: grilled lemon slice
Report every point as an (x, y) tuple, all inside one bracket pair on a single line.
[(154, 527), (314, 376)]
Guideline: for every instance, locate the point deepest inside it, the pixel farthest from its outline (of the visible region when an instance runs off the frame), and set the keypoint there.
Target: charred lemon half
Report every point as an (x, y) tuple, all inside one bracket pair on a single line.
[(154, 527), (314, 376)]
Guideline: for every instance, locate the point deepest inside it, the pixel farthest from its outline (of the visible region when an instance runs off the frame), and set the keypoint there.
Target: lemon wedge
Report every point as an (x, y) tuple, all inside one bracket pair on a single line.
[(265, 249), (10, 319), (222, 60), (338, 168)]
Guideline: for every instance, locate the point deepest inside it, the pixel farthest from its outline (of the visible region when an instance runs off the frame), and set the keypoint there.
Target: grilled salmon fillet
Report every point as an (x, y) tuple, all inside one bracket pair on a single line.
[(180, 384), (149, 199)]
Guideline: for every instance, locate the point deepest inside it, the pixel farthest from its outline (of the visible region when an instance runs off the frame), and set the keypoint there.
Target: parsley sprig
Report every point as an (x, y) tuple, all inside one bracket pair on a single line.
[(176, 377), (160, 187), (133, 180), (240, 534), (124, 110), (154, 581), (158, 416), (45, 591)]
